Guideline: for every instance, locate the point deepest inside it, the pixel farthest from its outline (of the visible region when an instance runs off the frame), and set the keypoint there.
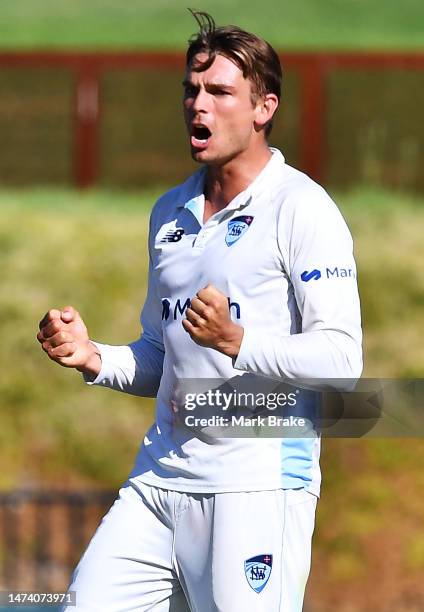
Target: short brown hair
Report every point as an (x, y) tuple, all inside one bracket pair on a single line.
[(257, 60)]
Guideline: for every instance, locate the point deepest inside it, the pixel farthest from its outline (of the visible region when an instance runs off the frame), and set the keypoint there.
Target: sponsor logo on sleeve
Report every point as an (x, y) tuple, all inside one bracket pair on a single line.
[(257, 571), (334, 272), (307, 276), (236, 228)]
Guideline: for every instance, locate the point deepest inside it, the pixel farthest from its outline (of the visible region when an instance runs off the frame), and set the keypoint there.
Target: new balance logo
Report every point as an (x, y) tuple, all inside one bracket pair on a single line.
[(173, 235)]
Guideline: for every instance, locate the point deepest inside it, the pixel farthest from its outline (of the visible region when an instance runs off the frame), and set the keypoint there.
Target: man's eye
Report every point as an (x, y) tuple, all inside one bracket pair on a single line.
[(189, 92)]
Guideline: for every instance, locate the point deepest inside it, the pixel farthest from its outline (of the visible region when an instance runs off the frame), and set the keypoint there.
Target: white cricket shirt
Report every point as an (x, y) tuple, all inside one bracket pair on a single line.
[(282, 254)]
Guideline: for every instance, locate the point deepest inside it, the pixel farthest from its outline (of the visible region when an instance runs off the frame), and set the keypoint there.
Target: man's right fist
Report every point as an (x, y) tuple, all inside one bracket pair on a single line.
[(64, 337)]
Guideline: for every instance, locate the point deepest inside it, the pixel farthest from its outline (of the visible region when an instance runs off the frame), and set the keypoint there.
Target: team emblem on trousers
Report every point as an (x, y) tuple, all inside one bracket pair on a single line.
[(257, 571), (236, 228)]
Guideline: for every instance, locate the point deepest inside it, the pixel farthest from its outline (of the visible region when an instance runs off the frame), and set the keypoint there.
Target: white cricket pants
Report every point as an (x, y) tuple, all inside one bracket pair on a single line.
[(168, 551)]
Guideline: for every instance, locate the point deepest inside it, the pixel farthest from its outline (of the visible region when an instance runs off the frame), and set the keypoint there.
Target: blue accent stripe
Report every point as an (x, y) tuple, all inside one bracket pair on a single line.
[(297, 461)]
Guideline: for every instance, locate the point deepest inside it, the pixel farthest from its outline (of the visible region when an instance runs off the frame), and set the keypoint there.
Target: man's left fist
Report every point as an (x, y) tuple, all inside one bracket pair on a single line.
[(209, 323)]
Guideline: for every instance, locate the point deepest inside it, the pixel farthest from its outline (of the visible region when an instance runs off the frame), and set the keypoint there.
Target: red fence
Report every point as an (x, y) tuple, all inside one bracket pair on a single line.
[(313, 71), (43, 534)]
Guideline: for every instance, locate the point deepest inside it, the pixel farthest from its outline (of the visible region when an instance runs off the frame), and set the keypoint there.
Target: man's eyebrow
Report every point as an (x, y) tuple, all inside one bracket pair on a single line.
[(220, 85), (186, 83)]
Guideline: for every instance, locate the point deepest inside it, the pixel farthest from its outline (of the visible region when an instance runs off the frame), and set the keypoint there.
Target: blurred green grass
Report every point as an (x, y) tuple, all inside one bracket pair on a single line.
[(60, 247), (306, 24)]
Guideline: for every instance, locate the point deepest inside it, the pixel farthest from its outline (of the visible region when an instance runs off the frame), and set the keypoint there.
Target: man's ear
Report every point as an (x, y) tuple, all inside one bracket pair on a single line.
[(265, 108)]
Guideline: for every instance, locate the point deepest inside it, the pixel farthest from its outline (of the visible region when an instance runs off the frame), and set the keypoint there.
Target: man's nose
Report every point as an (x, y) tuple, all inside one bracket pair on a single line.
[(201, 101)]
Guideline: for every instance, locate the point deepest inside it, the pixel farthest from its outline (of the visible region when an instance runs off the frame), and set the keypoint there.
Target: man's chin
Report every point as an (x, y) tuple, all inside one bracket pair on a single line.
[(206, 156), (200, 155)]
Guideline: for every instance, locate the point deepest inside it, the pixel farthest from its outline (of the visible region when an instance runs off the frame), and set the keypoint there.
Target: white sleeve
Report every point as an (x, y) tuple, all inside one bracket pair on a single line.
[(136, 368), (317, 255)]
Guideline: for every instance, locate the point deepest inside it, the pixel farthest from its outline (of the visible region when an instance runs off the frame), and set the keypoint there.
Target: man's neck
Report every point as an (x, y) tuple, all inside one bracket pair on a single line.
[(224, 183)]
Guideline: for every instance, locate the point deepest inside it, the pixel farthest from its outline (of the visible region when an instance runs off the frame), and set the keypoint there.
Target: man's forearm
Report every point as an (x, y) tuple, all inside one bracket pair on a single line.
[(135, 369), (320, 354)]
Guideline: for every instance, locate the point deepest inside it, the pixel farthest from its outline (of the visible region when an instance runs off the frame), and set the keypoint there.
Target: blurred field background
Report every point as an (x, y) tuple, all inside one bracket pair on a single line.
[(60, 246), (354, 24)]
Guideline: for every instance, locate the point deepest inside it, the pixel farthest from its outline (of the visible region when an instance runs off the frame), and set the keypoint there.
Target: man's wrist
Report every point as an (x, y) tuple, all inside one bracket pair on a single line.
[(231, 345), (93, 364)]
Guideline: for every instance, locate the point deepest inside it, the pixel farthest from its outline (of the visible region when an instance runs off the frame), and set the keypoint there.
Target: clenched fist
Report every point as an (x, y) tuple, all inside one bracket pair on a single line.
[(64, 337), (209, 323)]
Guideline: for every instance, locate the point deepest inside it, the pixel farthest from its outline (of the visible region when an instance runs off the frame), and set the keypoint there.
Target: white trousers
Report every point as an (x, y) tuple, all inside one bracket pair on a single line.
[(167, 551)]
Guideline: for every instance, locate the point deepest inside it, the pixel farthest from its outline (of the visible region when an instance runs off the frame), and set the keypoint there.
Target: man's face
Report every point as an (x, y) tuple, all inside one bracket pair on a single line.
[(218, 111)]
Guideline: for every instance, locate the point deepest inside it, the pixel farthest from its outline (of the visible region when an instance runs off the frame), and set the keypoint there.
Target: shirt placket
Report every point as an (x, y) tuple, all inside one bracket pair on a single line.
[(212, 224)]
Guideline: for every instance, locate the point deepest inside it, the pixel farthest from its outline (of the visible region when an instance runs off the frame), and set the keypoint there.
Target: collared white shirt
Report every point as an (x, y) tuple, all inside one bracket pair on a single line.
[(282, 254)]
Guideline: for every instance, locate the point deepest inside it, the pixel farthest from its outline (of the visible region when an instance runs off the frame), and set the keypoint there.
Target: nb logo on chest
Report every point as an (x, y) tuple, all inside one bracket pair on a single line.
[(173, 235)]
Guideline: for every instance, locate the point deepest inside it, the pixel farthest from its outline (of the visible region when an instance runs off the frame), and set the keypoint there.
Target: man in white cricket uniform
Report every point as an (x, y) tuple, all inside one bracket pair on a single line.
[(251, 275)]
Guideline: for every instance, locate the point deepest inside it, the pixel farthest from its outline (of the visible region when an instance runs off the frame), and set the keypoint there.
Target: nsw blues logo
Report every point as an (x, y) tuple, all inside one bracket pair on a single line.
[(257, 571), (236, 228)]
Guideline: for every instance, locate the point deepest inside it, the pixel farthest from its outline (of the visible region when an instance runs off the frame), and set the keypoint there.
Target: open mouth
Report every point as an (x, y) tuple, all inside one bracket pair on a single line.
[(200, 136)]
